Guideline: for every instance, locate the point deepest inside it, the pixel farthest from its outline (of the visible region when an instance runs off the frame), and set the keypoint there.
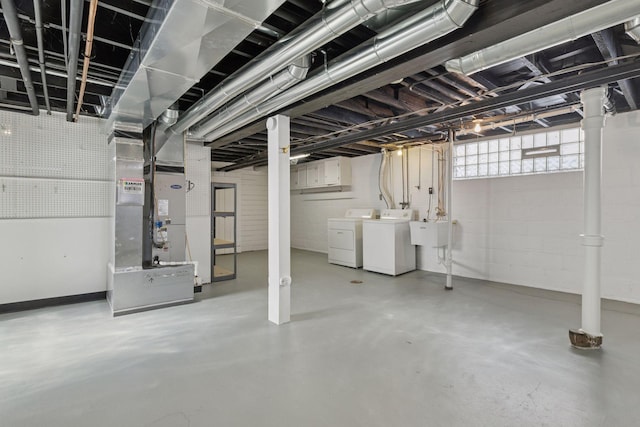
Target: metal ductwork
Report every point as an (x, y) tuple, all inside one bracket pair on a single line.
[(607, 15), (75, 24), (170, 116), (632, 28), (37, 10), (166, 120), (179, 42), (277, 84), (585, 80), (11, 18), (421, 28), (331, 22)]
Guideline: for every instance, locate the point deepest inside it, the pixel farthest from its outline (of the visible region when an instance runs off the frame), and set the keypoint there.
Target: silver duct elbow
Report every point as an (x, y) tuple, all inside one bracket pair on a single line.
[(632, 28), (285, 79)]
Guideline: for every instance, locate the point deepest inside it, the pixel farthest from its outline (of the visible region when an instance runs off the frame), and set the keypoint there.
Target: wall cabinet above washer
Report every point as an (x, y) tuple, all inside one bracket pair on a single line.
[(325, 173)]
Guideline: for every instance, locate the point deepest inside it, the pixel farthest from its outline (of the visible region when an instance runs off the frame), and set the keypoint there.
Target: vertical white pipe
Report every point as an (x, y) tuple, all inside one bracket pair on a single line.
[(592, 239), (279, 220), (449, 256)]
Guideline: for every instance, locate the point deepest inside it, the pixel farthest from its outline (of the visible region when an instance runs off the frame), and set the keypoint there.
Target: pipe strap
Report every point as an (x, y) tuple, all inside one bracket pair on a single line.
[(592, 240), (595, 122)]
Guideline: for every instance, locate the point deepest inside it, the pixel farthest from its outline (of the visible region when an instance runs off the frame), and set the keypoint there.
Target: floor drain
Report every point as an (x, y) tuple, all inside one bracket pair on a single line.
[(356, 282)]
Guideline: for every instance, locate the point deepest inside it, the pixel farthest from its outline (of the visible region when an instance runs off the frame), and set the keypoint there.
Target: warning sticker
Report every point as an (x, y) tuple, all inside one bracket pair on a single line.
[(132, 185), (163, 207), (130, 191)]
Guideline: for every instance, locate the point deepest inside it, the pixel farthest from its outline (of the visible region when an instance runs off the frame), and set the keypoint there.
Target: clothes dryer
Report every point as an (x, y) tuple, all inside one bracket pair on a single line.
[(345, 237)]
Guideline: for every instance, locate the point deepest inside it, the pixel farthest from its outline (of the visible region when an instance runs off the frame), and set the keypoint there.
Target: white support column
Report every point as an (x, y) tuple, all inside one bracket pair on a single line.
[(279, 220), (449, 255), (589, 336)]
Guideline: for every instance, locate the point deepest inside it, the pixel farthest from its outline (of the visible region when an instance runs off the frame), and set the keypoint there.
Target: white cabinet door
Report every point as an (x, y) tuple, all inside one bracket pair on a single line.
[(302, 176), (332, 172), (315, 174), (293, 178), (298, 177)]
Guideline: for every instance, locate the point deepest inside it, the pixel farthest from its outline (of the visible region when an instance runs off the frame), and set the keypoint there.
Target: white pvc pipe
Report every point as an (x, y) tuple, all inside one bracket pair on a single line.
[(592, 239), (449, 257)]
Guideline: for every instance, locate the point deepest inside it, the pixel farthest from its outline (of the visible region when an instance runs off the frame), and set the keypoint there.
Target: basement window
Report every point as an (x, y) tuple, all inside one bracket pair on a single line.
[(554, 150)]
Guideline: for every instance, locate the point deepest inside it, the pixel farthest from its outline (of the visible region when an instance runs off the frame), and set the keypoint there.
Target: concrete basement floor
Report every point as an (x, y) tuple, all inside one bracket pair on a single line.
[(386, 352)]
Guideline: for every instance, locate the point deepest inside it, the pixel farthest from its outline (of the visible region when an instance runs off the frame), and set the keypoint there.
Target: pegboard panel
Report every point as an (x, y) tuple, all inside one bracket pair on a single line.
[(50, 147), (8, 195), (52, 198), (198, 171), (53, 168)]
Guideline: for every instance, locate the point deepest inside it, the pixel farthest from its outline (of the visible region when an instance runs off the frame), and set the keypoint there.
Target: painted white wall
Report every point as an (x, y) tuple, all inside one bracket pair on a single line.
[(198, 207), (56, 200), (522, 230)]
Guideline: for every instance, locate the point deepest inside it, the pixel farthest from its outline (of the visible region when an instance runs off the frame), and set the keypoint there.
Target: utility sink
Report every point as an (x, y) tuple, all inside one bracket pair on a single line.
[(430, 234)]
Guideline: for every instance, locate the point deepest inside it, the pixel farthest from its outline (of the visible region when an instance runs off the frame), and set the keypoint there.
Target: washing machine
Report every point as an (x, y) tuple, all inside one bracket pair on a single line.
[(387, 244), (345, 237)]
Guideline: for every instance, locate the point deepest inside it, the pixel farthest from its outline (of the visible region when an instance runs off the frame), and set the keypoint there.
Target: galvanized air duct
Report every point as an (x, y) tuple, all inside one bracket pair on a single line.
[(165, 121), (179, 42), (11, 18), (170, 116), (277, 84), (323, 27), (37, 9), (597, 18), (75, 23), (632, 28), (421, 28)]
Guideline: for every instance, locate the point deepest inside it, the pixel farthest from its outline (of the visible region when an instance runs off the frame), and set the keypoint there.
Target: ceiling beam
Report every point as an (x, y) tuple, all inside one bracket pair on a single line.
[(610, 48), (570, 84), (494, 22)]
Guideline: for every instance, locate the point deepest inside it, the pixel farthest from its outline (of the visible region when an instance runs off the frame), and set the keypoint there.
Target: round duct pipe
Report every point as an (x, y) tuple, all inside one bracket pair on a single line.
[(632, 28), (170, 115)]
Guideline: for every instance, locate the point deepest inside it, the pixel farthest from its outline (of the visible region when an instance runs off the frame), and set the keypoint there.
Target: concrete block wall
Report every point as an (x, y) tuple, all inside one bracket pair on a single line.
[(621, 206), (525, 231)]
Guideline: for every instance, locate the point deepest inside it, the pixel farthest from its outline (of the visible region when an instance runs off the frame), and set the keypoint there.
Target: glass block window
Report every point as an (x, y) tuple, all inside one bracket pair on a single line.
[(543, 152)]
